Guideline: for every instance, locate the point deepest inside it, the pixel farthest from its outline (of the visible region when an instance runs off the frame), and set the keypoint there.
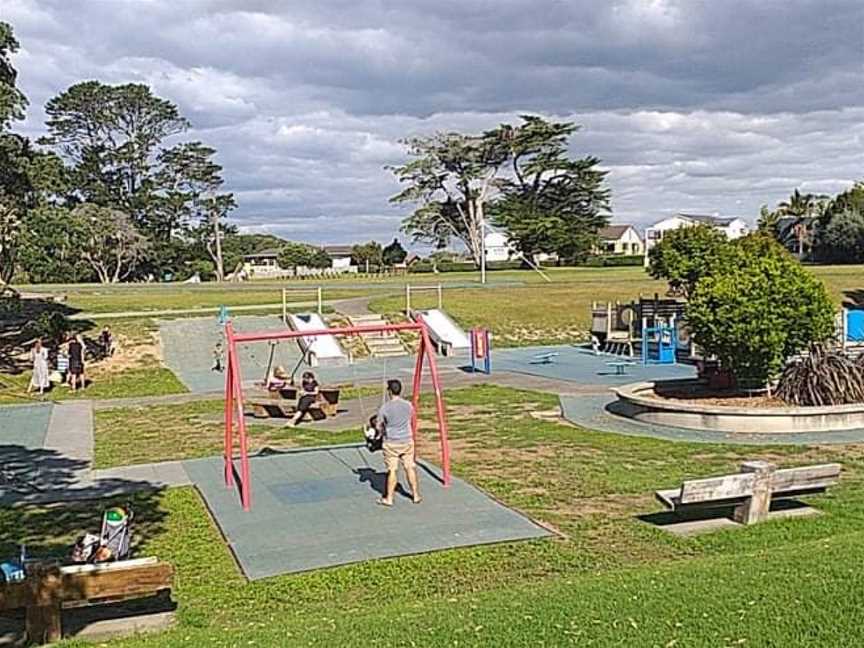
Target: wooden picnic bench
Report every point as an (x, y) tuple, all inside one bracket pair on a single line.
[(752, 490), (283, 403), (49, 588)]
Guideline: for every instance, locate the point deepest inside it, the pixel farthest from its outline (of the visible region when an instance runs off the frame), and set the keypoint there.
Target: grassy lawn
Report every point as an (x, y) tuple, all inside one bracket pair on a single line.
[(133, 435), (610, 580), (560, 312), (134, 370)]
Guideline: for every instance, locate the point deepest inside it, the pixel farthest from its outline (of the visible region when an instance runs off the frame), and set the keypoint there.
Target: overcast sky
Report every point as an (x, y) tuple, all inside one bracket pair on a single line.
[(712, 106)]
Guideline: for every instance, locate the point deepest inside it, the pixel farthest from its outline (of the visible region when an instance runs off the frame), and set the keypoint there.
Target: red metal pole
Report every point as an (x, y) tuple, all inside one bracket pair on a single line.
[(245, 486), (229, 408), (345, 330), (415, 391), (439, 403)]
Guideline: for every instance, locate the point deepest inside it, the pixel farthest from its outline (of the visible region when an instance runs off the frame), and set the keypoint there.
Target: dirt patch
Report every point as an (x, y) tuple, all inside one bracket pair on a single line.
[(130, 353), (717, 398)]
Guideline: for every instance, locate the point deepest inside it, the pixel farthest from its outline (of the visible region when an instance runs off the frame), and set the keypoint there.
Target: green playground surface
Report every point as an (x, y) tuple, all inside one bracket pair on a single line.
[(314, 508)]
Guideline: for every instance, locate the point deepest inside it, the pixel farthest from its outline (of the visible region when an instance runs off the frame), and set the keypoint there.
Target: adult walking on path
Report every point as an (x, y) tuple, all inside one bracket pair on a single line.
[(40, 378), (394, 422)]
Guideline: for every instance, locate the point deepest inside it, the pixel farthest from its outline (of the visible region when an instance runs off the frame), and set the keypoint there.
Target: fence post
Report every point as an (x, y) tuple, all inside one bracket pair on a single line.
[(284, 308), (320, 301), (440, 298), (407, 298)]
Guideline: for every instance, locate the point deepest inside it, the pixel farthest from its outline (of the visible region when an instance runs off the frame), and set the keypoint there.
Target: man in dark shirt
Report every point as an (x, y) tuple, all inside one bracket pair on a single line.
[(394, 422)]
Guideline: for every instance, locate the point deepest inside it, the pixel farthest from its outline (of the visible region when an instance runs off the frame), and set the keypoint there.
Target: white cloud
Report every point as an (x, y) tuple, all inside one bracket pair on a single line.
[(719, 106)]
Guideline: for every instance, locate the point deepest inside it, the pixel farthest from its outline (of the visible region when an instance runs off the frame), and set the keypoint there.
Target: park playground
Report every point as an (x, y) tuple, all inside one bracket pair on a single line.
[(547, 534)]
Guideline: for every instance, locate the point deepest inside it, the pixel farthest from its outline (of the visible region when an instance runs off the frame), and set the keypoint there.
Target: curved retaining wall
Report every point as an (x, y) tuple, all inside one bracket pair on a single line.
[(638, 401)]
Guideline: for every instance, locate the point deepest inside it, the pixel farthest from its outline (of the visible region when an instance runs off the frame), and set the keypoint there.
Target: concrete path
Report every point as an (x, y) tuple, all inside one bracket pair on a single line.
[(70, 435), (62, 468)]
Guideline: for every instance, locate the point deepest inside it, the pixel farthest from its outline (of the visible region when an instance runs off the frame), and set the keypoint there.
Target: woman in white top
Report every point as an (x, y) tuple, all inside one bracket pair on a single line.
[(39, 357)]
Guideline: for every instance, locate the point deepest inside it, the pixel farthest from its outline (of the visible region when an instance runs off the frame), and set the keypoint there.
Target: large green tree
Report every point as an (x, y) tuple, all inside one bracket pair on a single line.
[(756, 307), (841, 240), (114, 138), (109, 241), (112, 135), (12, 100), (550, 202), (393, 253), (687, 254), (367, 254), (450, 179)]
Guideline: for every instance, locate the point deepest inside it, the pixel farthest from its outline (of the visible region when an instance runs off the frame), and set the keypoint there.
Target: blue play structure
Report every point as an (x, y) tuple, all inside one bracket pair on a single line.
[(223, 315), (854, 326), (659, 344)]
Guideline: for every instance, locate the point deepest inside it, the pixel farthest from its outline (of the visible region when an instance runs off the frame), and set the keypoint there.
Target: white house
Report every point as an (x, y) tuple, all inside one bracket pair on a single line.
[(733, 227), (340, 257), (498, 247), (619, 239)]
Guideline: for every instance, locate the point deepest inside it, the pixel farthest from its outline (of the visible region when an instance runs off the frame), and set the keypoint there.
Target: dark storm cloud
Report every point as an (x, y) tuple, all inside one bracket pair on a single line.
[(721, 105)]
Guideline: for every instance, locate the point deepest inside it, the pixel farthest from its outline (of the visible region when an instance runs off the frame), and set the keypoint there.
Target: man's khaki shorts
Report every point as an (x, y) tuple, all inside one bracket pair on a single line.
[(396, 452)]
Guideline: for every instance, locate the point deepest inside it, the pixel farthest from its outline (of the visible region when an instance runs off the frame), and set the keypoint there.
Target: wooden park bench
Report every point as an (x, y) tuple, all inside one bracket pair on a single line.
[(50, 588), (752, 490)]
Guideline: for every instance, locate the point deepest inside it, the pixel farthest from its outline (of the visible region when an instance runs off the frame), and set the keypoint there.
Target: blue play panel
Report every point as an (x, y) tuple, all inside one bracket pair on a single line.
[(580, 365), (315, 508)]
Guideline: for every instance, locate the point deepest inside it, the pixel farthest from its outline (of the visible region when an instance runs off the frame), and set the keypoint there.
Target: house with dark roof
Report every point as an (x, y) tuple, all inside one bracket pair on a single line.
[(733, 227), (340, 256), (619, 239)]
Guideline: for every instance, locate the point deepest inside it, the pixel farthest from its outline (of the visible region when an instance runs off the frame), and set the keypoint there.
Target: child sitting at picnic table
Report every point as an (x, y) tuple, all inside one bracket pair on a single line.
[(278, 379), (308, 397)]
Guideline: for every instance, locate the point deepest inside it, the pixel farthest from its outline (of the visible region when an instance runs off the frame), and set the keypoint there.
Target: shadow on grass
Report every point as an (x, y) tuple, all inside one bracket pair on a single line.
[(25, 318), (49, 505)]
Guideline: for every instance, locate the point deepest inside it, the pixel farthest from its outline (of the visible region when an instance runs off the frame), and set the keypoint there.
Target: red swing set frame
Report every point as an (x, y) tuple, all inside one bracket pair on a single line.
[(234, 393)]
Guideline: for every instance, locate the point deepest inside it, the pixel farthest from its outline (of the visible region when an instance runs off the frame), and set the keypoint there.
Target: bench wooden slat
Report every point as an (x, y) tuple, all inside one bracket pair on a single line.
[(670, 498), (805, 478), (59, 586), (727, 487)]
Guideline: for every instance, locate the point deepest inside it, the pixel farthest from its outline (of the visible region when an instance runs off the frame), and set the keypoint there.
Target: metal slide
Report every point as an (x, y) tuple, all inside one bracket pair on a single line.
[(443, 329), (320, 347)]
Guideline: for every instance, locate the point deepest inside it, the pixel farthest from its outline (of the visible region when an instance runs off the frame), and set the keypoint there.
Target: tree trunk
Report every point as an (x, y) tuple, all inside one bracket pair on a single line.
[(220, 268)]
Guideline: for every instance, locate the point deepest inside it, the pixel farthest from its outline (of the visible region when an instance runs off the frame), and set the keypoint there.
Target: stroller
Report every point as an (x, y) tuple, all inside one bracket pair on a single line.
[(113, 541)]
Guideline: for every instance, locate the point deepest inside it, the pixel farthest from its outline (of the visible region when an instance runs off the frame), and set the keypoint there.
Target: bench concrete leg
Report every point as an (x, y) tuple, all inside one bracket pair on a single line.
[(43, 624), (756, 508)]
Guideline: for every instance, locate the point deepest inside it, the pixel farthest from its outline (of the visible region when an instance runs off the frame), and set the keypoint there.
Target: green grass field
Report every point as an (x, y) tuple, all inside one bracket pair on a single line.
[(560, 312), (608, 580)]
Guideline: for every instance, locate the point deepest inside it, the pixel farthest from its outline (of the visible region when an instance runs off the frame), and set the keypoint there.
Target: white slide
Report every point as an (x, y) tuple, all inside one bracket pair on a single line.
[(319, 347), (444, 330)]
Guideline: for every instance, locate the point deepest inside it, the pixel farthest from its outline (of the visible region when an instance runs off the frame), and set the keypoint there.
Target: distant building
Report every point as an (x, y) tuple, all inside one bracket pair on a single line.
[(265, 264), (340, 257), (619, 239), (733, 227), (497, 246)]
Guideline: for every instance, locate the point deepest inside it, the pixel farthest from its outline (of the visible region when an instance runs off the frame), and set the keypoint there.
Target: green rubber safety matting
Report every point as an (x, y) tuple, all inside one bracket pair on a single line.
[(24, 425), (315, 508), (581, 365)]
